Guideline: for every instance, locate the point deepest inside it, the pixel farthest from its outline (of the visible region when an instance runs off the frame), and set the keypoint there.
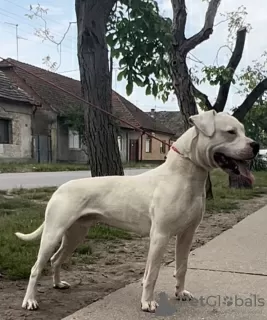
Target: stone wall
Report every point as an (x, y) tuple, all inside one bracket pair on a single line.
[(20, 146)]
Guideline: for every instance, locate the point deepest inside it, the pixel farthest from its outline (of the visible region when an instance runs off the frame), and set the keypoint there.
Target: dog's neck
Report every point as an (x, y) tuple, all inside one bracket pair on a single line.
[(185, 156)]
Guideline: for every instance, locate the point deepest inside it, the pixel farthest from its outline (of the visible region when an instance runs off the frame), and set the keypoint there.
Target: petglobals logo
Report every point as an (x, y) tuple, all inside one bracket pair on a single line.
[(229, 301)]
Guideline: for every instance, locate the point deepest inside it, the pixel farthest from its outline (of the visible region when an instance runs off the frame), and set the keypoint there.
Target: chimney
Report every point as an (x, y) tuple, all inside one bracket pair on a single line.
[(152, 113)]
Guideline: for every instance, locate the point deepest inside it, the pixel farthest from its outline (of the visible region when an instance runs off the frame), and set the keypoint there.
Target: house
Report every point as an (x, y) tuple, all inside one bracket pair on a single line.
[(16, 109), (170, 119), (54, 141)]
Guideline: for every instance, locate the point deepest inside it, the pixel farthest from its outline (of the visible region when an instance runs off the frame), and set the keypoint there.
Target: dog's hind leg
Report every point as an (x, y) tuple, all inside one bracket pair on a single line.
[(50, 239), (71, 239)]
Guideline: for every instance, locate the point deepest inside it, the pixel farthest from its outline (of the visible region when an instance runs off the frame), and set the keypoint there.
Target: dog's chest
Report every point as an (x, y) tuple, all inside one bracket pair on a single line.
[(182, 209)]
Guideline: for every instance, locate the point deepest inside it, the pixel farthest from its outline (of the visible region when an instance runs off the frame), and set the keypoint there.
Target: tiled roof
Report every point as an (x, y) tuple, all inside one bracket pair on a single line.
[(9, 91), (170, 119), (59, 100)]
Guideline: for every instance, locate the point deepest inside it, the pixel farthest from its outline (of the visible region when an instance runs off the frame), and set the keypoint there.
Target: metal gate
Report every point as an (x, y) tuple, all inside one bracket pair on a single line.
[(42, 149)]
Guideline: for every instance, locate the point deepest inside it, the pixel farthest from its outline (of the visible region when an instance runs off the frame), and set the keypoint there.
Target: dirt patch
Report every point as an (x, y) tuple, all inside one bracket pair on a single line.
[(112, 265)]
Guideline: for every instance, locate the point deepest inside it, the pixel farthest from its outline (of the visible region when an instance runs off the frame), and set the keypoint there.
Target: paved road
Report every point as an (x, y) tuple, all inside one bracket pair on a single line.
[(228, 277), (46, 179)]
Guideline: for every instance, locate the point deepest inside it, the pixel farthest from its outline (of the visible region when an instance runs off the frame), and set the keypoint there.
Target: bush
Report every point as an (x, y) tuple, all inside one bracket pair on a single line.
[(259, 163)]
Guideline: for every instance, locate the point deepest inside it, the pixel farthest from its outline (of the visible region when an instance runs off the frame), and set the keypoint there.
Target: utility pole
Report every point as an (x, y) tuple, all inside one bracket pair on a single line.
[(17, 36)]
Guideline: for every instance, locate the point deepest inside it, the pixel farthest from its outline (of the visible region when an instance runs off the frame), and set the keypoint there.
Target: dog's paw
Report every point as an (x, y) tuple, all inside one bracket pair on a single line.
[(149, 306), (30, 304), (62, 285), (183, 295)]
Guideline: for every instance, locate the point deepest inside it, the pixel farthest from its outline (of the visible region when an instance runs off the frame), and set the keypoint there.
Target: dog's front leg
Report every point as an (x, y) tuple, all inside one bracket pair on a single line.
[(182, 249), (158, 243)]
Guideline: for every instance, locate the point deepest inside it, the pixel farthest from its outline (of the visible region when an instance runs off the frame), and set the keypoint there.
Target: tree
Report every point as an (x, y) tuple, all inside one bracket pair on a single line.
[(99, 130), (256, 125), (101, 138), (255, 120), (153, 52), (164, 44)]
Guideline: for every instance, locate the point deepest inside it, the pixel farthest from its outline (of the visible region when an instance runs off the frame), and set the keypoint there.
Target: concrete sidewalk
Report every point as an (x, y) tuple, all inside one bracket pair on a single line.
[(228, 277)]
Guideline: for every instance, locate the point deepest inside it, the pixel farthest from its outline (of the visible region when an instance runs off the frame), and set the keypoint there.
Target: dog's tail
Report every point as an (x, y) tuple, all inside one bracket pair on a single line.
[(31, 236)]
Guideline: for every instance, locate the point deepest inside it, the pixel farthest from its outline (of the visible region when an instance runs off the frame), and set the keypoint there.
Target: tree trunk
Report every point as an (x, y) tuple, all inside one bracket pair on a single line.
[(209, 193), (100, 130), (239, 182), (183, 87), (184, 92)]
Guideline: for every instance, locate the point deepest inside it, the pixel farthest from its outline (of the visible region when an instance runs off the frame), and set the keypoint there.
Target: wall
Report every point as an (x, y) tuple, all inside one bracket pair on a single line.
[(21, 147), (64, 154), (155, 154)]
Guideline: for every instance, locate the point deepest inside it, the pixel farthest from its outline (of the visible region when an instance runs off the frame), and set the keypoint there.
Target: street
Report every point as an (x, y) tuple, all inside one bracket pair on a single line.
[(47, 179)]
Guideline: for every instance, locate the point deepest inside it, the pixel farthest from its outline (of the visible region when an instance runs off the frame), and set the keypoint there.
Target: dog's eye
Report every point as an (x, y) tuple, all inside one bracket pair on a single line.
[(231, 131)]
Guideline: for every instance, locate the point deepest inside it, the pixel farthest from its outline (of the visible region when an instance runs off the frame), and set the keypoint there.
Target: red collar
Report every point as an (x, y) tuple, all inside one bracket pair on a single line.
[(175, 149)]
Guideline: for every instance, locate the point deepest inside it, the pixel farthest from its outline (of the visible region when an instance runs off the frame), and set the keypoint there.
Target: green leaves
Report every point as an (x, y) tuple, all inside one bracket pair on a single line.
[(129, 88), (217, 75), (140, 38)]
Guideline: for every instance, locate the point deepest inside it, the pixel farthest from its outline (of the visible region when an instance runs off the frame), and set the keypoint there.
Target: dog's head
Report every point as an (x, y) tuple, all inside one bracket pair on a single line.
[(221, 142)]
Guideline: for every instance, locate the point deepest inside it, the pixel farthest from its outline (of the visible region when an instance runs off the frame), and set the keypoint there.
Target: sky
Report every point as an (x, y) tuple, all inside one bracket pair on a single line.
[(32, 49)]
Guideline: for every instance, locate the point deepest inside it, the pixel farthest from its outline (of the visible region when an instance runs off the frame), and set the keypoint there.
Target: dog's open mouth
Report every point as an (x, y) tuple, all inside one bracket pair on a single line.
[(231, 165)]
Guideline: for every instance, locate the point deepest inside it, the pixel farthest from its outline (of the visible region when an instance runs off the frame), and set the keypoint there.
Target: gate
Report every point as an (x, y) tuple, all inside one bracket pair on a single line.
[(42, 149)]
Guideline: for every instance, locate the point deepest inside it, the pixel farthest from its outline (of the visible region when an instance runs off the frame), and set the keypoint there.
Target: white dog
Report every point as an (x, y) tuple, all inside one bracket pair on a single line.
[(166, 201)]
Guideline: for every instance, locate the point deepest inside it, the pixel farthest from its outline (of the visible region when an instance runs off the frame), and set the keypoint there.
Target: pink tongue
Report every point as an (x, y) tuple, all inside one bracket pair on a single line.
[(244, 171)]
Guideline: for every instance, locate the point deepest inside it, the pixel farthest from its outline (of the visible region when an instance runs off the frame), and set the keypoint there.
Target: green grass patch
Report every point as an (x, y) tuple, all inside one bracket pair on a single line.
[(226, 199), (23, 210), (103, 232), (54, 167)]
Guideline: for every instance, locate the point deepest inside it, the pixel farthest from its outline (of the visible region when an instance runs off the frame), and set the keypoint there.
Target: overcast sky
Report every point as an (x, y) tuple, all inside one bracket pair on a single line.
[(61, 12)]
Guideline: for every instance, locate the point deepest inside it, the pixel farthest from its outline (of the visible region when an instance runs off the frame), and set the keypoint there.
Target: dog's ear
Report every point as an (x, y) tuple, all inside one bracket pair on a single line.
[(204, 122)]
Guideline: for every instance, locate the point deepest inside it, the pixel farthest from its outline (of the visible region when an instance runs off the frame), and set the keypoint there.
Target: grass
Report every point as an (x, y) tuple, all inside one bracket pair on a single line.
[(226, 199), (23, 210), (54, 167)]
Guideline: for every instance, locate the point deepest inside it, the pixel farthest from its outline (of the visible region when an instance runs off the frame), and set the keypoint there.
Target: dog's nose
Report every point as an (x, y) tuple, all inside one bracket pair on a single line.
[(255, 147)]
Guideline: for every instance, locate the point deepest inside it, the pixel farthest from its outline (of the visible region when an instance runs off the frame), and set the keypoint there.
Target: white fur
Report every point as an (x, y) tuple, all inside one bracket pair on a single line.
[(166, 201)]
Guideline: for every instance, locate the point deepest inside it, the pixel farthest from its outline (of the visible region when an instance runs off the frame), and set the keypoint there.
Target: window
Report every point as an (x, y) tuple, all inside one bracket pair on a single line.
[(5, 131), (148, 145), (163, 146), (120, 143), (74, 140)]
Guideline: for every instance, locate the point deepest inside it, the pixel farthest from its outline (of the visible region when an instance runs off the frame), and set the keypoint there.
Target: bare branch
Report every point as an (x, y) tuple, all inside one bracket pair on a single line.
[(217, 54), (207, 29), (232, 65), (248, 103), (179, 21), (204, 98), (45, 34), (195, 59), (220, 22)]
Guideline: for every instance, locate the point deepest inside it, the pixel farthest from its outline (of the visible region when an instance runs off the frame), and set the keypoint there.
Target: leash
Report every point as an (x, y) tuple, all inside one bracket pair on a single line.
[(176, 150), (92, 105)]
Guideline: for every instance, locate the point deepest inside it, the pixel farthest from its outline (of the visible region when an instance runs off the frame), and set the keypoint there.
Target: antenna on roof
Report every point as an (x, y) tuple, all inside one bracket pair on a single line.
[(17, 36)]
